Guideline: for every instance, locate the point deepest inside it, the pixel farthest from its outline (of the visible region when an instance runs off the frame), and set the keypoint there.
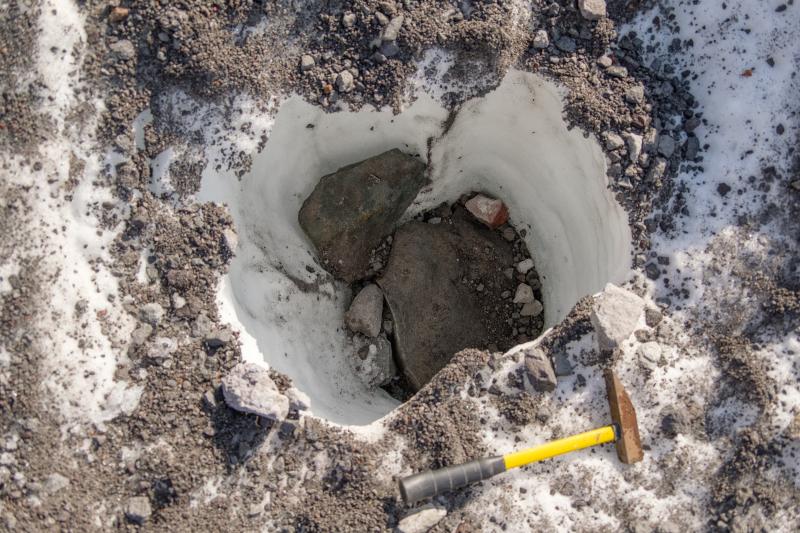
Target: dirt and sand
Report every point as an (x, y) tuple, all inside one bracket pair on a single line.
[(201, 465)]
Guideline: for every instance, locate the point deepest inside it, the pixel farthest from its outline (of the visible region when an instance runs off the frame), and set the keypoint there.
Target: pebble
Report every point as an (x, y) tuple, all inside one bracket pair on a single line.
[(524, 266), (349, 20), (490, 211), (649, 353), (562, 365), (652, 271), (634, 95), (392, 29), (612, 140), (652, 317), (366, 312), (509, 234), (657, 169), (539, 370), (692, 148), (123, 49), (592, 9), (141, 334), (422, 520), (533, 308), (390, 49), (307, 63), (541, 40), (566, 44), (666, 145), (524, 294), (151, 313), (633, 143), (118, 14), (605, 61), (345, 81), (617, 71), (219, 338), (138, 509), (162, 348)]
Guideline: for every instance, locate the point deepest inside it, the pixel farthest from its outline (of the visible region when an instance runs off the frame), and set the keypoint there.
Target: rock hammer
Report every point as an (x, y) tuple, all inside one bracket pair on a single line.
[(624, 431)]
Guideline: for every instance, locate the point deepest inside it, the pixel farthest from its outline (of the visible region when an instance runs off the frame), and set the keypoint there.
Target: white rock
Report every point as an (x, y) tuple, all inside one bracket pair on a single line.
[(152, 313), (592, 9), (298, 399), (612, 140), (55, 482), (392, 30), (421, 521), (524, 294), (307, 63), (533, 308), (345, 81), (366, 312), (249, 389), (541, 40), (614, 316), (162, 348), (231, 239), (138, 509), (649, 353), (524, 266), (349, 20), (633, 142)]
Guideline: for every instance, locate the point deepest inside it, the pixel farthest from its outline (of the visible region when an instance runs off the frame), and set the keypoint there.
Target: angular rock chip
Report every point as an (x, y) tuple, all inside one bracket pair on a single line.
[(435, 314), (422, 520), (592, 9), (138, 509), (539, 370), (249, 389), (490, 211), (614, 316), (366, 312), (374, 363), (350, 211)]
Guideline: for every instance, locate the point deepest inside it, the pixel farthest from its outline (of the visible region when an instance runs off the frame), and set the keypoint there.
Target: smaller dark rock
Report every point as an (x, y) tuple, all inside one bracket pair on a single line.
[(539, 371), (652, 271)]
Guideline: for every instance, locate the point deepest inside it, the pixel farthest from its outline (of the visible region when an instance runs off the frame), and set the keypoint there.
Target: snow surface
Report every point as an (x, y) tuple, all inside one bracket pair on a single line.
[(512, 144), (80, 353)]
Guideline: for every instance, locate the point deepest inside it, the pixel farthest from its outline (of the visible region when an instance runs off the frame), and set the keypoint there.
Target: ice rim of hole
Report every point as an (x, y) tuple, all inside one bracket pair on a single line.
[(511, 143)]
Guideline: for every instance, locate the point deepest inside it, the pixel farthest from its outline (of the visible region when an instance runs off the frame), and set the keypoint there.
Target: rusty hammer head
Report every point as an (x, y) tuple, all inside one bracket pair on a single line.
[(629, 446)]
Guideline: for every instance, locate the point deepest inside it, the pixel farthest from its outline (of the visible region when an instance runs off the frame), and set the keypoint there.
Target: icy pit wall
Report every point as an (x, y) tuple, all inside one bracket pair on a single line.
[(511, 143)]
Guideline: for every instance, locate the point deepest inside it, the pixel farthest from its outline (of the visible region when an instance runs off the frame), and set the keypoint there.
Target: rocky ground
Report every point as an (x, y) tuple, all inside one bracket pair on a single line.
[(112, 411)]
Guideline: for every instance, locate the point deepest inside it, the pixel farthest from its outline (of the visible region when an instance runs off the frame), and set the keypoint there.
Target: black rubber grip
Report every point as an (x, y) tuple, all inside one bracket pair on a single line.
[(427, 484)]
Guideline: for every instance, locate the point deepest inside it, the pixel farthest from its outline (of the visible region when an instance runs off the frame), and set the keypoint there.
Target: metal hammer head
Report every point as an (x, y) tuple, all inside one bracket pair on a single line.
[(629, 445)]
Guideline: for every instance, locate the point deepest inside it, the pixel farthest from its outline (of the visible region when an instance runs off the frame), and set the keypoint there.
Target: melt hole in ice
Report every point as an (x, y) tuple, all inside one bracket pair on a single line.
[(511, 143)]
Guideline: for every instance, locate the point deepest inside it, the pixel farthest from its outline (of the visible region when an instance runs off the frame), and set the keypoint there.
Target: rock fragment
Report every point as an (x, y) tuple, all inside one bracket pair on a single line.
[(614, 316), (490, 211), (592, 9), (533, 308), (524, 266), (666, 145), (652, 317), (151, 313), (352, 210), (118, 14), (345, 81), (306, 63), (524, 294), (617, 71), (366, 311), (612, 140), (123, 49), (392, 30), (422, 520), (249, 389), (138, 510), (633, 143), (375, 365), (539, 370), (541, 40), (349, 20)]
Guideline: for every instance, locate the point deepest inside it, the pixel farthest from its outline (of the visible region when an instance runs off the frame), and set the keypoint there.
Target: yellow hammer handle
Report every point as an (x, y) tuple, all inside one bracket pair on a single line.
[(560, 446)]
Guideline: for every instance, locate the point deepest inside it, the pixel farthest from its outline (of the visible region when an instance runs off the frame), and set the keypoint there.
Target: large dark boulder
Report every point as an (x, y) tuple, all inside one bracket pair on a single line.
[(429, 285), (350, 211)]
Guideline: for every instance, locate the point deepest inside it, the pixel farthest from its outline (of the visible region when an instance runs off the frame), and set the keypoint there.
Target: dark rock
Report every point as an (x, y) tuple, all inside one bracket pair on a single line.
[(352, 210), (366, 312), (539, 371), (435, 314), (562, 365), (652, 317), (652, 271), (566, 44)]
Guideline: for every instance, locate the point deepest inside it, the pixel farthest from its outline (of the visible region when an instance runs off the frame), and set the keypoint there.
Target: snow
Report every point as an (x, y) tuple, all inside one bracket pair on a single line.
[(78, 365), (508, 144)]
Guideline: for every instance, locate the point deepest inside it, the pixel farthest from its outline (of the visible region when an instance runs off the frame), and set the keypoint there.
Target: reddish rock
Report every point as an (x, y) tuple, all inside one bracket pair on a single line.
[(493, 213)]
